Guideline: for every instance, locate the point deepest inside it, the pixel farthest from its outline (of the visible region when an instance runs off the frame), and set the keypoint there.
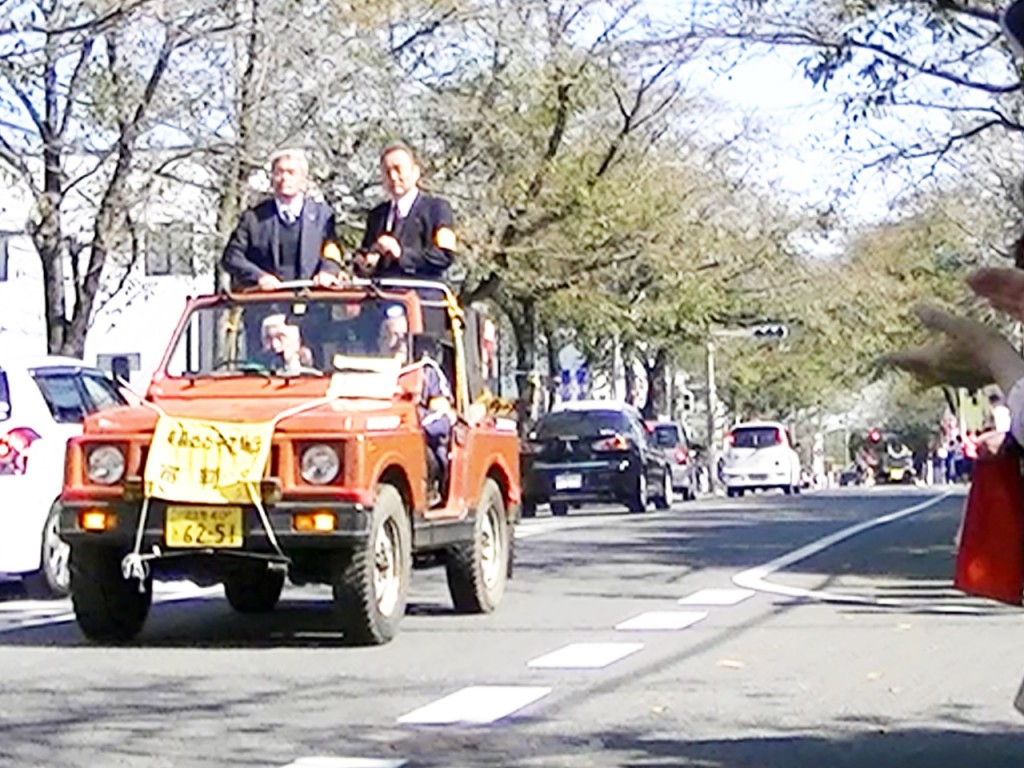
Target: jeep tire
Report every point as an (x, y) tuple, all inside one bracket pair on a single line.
[(108, 607), (371, 582), (478, 570), (253, 590)]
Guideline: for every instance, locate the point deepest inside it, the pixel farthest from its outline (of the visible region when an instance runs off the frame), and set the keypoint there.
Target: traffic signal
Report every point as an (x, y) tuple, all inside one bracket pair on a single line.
[(875, 436), (773, 331)]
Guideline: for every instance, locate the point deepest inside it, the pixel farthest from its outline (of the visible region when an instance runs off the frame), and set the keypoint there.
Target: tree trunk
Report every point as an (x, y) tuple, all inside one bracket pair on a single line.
[(657, 394), (235, 175), (554, 369), (522, 315), (48, 235), (628, 374), (111, 209)]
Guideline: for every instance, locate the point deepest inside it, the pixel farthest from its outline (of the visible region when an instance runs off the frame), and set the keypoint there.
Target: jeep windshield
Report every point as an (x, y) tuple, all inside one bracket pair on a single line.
[(288, 337)]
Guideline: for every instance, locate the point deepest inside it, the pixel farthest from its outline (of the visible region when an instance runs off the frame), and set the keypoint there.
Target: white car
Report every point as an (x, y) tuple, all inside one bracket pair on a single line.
[(42, 403), (760, 454)]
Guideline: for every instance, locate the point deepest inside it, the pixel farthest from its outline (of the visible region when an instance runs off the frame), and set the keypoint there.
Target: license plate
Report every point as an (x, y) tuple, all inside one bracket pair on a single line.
[(203, 527), (568, 482), (896, 474)]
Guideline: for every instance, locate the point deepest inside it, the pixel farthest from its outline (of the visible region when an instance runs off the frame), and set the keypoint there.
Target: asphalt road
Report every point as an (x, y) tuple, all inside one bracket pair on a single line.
[(693, 637)]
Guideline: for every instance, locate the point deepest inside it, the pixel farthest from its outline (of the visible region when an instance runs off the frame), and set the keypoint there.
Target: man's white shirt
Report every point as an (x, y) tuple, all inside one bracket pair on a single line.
[(403, 205), (289, 210)]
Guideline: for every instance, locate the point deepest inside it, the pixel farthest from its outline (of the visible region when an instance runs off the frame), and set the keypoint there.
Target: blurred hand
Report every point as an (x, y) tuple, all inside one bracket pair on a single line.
[(942, 363), (990, 442), (1003, 287), (366, 261), (388, 245), (268, 282), (325, 279)]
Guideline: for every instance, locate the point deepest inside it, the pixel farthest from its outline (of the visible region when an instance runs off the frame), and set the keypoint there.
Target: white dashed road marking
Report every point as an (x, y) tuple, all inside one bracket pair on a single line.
[(755, 578), (541, 527), (479, 704), (669, 620), (345, 762), (717, 597), (585, 656)]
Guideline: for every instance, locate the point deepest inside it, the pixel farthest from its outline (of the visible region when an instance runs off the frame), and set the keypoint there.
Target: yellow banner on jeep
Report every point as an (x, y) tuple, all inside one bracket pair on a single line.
[(207, 462)]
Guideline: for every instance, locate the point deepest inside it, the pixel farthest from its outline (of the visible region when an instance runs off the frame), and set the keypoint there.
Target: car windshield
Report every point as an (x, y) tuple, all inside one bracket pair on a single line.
[(63, 394), (666, 435), (755, 437), (288, 337), (582, 424)]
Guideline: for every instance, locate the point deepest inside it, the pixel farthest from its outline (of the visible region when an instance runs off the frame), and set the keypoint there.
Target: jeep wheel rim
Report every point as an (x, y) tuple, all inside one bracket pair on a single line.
[(490, 548), (387, 576)]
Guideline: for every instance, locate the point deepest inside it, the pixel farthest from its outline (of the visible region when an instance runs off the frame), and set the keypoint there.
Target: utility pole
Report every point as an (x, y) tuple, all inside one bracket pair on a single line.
[(712, 410)]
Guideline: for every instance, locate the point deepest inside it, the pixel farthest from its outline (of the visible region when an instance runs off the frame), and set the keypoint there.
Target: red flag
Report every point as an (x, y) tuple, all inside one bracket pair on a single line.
[(990, 560)]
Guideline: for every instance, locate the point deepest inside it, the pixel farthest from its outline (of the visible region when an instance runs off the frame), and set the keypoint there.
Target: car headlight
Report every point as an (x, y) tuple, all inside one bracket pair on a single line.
[(105, 465), (319, 464)]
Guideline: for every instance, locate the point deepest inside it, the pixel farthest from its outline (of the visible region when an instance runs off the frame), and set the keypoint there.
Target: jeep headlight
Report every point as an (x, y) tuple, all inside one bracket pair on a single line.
[(105, 465), (319, 464)]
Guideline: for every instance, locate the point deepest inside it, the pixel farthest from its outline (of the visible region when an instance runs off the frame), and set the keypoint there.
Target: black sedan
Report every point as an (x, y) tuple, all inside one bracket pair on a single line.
[(594, 451)]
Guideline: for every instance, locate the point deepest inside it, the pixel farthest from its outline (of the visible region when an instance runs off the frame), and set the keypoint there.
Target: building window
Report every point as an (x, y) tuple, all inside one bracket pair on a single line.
[(170, 249)]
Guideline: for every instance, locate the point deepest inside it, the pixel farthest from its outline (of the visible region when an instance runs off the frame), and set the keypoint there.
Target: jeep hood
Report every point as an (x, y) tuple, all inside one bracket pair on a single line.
[(338, 414)]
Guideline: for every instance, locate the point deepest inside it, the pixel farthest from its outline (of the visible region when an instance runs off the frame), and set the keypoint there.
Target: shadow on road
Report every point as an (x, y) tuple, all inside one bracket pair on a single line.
[(211, 623), (885, 746)]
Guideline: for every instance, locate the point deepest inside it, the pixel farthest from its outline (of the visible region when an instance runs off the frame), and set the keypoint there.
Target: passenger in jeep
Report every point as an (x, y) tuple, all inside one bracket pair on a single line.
[(436, 414), (394, 334)]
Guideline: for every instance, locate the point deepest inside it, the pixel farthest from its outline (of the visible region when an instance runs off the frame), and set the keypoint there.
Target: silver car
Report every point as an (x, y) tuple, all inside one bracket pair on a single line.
[(673, 439)]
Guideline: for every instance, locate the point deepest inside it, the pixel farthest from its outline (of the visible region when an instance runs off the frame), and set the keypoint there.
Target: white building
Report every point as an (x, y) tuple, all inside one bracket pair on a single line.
[(137, 320)]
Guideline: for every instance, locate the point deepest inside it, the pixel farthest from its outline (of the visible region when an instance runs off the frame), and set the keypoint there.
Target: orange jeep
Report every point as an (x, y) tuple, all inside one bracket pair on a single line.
[(282, 436)]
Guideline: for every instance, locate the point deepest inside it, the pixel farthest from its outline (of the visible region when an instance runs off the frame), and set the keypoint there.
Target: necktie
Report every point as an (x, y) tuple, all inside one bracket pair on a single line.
[(393, 218)]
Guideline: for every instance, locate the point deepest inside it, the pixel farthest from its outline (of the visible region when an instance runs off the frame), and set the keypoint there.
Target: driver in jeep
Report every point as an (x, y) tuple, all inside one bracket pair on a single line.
[(283, 342)]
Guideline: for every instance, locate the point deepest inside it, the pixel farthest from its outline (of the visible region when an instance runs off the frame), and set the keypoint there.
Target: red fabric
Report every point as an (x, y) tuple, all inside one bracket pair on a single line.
[(990, 560)]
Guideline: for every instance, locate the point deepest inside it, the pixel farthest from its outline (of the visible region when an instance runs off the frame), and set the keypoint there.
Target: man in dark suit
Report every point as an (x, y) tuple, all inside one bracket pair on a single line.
[(288, 237), (410, 235)]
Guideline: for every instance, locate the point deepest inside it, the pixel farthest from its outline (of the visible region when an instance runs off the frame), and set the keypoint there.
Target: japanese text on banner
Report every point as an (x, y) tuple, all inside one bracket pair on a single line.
[(207, 462)]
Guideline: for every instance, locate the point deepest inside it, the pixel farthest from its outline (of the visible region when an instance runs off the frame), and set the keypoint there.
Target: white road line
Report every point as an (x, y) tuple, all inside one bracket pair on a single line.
[(541, 527), (477, 704), (344, 762), (585, 656), (755, 578), (663, 620), (29, 614), (717, 597)]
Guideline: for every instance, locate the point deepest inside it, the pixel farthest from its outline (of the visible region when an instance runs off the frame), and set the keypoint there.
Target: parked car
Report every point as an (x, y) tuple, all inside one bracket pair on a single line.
[(42, 403), (594, 451), (760, 455), (674, 440)]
